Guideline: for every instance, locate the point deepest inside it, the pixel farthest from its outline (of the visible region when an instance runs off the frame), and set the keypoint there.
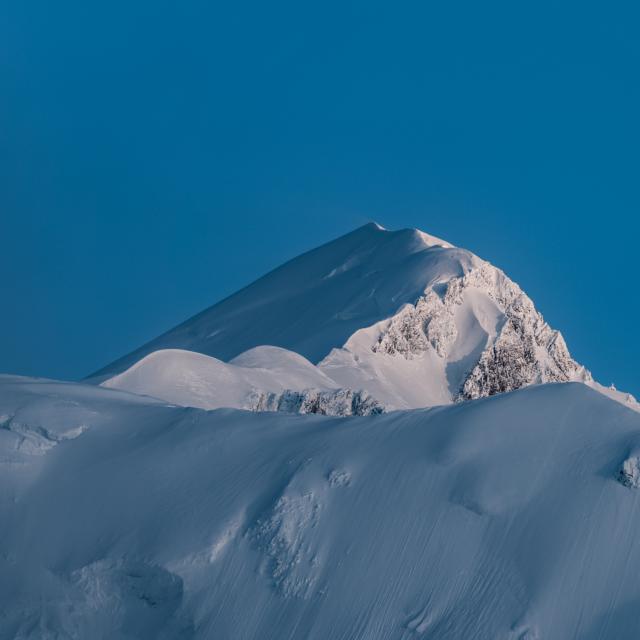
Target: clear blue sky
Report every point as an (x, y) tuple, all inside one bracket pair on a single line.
[(155, 156)]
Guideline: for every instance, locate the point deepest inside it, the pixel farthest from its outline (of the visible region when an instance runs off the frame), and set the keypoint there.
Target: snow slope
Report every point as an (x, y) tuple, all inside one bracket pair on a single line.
[(318, 300), (499, 518), (404, 317)]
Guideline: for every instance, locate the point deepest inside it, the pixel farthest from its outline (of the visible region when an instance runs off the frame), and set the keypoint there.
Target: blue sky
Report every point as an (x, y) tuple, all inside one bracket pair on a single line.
[(156, 156)]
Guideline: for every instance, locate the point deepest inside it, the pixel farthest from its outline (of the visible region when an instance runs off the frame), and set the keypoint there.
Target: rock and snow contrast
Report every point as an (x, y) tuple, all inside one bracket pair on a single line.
[(261, 379), (400, 316), (382, 439)]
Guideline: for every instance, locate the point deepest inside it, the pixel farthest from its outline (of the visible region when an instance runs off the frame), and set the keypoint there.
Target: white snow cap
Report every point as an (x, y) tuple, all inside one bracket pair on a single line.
[(403, 316)]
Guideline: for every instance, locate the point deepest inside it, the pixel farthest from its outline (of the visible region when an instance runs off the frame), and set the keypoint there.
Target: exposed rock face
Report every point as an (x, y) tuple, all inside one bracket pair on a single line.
[(629, 474), (519, 357), (340, 402), (429, 324), (521, 349)]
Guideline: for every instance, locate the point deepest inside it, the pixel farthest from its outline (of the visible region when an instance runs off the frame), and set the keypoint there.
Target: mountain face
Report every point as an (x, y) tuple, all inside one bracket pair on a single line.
[(520, 348), (268, 469), (316, 301), (400, 316)]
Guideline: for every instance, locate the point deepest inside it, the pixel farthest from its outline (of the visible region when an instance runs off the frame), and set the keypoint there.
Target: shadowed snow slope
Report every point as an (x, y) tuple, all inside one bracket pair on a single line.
[(497, 518), (318, 300)]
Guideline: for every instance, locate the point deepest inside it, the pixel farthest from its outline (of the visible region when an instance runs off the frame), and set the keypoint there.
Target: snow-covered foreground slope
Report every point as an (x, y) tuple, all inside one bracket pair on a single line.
[(409, 319), (499, 518)]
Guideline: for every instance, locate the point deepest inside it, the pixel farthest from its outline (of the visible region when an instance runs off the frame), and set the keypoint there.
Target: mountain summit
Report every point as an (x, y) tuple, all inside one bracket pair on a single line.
[(316, 301), (402, 315)]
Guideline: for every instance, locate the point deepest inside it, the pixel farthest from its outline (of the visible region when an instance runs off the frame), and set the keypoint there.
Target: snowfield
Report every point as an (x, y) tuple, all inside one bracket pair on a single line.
[(506, 517)]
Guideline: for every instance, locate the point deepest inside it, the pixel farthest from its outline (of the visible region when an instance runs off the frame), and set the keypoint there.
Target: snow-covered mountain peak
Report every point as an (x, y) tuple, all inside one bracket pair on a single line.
[(316, 301), (401, 315)]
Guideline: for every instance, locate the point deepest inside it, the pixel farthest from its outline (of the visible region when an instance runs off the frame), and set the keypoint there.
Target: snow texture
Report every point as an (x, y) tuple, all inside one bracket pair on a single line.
[(497, 518), (318, 300)]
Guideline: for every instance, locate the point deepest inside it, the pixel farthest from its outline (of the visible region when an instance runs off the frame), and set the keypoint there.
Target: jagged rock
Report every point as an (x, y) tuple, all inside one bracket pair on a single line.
[(338, 402), (629, 474), (523, 351), (427, 324)]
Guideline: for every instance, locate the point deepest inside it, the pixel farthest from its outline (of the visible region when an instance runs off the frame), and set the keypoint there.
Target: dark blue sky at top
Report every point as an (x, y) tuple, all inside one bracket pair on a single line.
[(156, 156)]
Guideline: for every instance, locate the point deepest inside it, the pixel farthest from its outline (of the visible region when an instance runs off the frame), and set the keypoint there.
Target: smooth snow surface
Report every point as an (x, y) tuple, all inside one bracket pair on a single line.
[(318, 300), (195, 380), (126, 518)]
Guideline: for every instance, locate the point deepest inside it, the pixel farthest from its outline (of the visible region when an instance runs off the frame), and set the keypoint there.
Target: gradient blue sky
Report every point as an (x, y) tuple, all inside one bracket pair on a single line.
[(155, 156)]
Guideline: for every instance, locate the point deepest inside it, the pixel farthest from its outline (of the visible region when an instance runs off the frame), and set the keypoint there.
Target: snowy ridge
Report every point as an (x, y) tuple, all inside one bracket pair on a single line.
[(316, 301), (261, 379), (511, 517)]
